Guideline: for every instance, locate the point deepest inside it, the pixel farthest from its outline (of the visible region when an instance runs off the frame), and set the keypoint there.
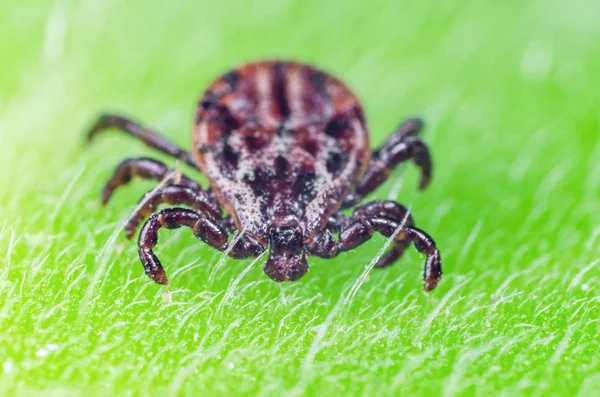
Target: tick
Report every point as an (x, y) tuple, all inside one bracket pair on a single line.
[(285, 148)]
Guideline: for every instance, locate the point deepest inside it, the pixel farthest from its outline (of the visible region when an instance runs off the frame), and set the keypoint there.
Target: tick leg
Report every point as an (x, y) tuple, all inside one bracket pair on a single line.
[(387, 208), (174, 195), (205, 229), (362, 230), (403, 145), (393, 210), (337, 222), (148, 136), (143, 168), (322, 245), (383, 217), (228, 224), (246, 247)]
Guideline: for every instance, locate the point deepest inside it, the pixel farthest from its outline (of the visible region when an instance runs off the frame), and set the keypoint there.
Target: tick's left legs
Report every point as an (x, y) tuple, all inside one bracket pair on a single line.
[(205, 229), (146, 135), (322, 245), (385, 218), (145, 168), (174, 195), (403, 145)]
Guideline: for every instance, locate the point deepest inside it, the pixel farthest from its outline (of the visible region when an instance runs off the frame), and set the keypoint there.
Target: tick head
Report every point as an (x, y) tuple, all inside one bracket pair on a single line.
[(287, 261)]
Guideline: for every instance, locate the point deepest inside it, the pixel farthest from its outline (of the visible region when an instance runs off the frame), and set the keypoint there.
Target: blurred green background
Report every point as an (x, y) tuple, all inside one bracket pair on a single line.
[(511, 94)]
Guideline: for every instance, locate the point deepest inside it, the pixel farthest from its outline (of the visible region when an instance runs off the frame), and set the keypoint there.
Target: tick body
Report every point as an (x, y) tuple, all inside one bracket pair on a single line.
[(285, 147)]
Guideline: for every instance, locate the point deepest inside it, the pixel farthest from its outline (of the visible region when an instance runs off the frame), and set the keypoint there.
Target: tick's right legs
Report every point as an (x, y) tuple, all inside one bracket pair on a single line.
[(146, 135), (384, 217), (403, 145)]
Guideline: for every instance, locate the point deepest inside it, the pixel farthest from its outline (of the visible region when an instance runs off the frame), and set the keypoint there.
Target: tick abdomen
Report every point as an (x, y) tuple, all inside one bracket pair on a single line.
[(277, 139)]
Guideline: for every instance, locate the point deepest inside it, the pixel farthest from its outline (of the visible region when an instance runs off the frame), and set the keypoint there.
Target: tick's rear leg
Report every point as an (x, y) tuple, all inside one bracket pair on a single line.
[(205, 229), (144, 168), (174, 195), (148, 136), (403, 145)]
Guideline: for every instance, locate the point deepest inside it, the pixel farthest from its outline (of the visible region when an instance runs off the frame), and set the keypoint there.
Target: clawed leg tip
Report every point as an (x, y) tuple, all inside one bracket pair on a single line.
[(106, 195), (159, 278), (91, 134), (424, 182), (430, 285)]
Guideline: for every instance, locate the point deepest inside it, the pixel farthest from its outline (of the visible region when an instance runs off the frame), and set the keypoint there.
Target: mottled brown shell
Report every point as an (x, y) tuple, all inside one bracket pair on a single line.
[(279, 140)]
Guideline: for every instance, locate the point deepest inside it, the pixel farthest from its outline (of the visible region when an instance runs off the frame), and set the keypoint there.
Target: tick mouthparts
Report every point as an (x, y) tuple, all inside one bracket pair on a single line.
[(280, 267), (287, 261)]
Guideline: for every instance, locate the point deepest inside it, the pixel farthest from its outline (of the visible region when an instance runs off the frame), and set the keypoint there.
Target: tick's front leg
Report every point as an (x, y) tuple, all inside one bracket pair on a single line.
[(205, 229), (403, 145), (324, 245), (383, 217), (389, 209), (146, 135), (362, 230), (200, 201), (246, 246)]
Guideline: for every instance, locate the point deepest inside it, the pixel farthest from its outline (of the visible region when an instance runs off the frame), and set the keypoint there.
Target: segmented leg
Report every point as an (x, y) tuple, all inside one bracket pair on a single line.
[(322, 245), (246, 247), (228, 224), (362, 230), (389, 209), (403, 145), (174, 195), (145, 168), (205, 229), (148, 136), (337, 222), (385, 218)]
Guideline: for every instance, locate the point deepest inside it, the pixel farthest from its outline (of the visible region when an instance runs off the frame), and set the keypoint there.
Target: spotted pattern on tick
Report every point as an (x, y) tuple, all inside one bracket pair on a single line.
[(261, 143)]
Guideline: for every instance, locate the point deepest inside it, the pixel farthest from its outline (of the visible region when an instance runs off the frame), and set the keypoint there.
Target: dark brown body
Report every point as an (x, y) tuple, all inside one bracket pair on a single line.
[(285, 146), (279, 139)]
